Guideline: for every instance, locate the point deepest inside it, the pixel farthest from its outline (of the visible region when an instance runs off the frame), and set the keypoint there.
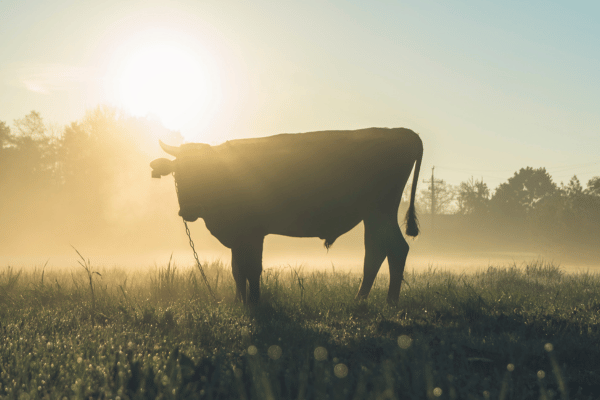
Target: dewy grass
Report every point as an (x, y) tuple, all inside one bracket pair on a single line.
[(516, 332)]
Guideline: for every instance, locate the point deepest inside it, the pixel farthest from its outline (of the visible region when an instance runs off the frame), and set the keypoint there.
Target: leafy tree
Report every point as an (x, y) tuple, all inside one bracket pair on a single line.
[(569, 218), (31, 126), (573, 188), (518, 196), (36, 156), (6, 140), (473, 197), (27, 177), (593, 186), (576, 200), (582, 207), (6, 137), (573, 199), (91, 182), (73, 154), (445, 194), (6, 162)]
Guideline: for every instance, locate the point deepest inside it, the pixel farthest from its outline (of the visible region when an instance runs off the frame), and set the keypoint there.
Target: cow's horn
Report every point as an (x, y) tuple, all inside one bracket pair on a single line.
[(172, 150)]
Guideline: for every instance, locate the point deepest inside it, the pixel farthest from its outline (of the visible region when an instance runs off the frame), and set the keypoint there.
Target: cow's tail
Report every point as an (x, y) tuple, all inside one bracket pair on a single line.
[(412, 223)]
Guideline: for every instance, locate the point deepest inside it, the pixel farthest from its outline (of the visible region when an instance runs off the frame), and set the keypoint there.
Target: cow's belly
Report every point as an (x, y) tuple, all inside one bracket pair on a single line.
[(316, 224), (327, 227)]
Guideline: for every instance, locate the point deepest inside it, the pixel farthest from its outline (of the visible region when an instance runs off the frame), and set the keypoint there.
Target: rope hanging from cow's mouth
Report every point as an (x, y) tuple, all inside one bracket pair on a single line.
[(187, 231)]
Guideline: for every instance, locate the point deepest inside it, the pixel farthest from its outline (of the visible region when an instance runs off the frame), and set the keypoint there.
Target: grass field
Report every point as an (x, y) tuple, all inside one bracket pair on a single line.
[(509, 332)]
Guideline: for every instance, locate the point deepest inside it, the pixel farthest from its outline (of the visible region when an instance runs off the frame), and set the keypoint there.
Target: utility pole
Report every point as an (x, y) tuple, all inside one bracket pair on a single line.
[(433, 182)]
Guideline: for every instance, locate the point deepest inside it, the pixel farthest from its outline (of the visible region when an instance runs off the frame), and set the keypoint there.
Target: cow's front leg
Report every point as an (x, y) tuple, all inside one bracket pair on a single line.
[(239, 278), (247, 258)]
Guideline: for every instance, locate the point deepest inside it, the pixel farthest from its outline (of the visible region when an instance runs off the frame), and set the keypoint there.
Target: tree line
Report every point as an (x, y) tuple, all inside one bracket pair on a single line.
[(90, 179), (530, 204)]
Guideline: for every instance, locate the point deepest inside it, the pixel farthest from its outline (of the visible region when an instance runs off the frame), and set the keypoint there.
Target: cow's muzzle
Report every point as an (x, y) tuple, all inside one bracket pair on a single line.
[(189, 217)]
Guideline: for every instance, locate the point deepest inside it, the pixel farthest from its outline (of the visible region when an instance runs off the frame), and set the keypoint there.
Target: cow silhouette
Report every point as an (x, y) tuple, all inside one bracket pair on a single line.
[(315, 184)]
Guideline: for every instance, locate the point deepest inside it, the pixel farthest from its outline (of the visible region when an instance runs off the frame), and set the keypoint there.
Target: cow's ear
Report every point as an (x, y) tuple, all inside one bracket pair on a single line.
[(161, 167)]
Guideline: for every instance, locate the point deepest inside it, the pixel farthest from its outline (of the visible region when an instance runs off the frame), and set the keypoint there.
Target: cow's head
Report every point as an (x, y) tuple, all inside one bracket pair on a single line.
[(188, 167)]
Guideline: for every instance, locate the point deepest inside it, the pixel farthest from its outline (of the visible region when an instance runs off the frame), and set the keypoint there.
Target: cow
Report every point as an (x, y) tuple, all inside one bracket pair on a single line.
[(314, 184)]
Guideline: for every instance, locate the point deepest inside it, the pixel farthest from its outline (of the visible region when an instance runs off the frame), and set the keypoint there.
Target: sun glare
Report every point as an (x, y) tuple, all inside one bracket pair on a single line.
[(166, 80)]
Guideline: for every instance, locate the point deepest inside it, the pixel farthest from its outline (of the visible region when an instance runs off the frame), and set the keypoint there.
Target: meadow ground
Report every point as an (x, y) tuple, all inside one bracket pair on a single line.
[(511, 332)]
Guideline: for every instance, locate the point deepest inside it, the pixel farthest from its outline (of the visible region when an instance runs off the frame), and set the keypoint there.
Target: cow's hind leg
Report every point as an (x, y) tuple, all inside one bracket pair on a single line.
[(375, 253), (397, 251), (247, 258), (239, 278)]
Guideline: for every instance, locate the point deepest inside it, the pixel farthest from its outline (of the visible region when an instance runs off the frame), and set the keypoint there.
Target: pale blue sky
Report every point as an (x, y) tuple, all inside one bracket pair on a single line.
[(490, 86)]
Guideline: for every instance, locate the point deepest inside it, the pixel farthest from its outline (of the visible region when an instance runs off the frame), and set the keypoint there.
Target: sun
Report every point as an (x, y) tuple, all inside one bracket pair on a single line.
[(165, 79)]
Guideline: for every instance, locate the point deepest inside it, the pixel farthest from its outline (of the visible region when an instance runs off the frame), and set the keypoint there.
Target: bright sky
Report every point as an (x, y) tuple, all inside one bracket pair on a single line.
[(490, 86)]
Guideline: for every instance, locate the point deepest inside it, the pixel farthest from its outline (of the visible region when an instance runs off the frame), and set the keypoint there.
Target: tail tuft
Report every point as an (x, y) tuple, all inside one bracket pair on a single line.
[(412, 222)]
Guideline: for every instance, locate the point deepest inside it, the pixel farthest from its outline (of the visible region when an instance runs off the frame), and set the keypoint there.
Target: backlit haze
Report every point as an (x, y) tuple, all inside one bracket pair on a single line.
[(491, 87)]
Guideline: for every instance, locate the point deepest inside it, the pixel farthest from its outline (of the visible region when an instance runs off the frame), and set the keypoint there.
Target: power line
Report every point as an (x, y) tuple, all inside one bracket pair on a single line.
[(557, 168), (558, 171), (569, 176), (563, 169), (576, 165), (479, 170)]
